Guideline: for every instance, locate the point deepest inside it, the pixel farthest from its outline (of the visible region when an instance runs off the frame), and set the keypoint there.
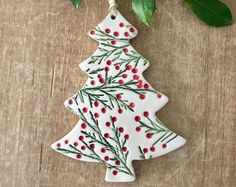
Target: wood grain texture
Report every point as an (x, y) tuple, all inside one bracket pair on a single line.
[(41, 45)]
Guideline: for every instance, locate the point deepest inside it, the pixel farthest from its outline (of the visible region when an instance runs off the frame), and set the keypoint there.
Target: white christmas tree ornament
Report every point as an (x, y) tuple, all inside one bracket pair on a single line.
[(117, 106)]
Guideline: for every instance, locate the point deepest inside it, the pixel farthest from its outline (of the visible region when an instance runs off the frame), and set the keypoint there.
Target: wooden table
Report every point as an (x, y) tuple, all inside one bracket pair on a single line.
[(41, 46)]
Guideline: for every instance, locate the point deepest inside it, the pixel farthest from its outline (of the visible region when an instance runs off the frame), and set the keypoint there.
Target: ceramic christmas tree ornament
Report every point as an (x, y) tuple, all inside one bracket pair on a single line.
[(117, 107)]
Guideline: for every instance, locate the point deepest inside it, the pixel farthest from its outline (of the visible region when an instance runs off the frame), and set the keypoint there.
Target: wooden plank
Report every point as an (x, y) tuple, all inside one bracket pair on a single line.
[(41, 46)]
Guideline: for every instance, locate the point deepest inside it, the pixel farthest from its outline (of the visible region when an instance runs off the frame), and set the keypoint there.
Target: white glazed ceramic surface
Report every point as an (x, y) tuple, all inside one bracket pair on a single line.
[(117, 107)]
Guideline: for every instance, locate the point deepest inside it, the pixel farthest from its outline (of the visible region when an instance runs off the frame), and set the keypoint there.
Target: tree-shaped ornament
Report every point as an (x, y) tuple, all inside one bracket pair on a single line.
[(117, 107)]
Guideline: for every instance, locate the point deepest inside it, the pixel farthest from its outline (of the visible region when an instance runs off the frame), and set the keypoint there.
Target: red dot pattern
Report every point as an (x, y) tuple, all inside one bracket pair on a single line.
[(85, 109), (83, 125), (107, 30), (81, 138), (106, 135), (108, 124), (138, 129), (164, 145), (70, 101), (145, 150), (107, 158), (121, 24), (117, 162), (121, 129), (92, 146), (116, 34), (76, 144), (152, 149), (149, 135), (110, 65), (103, 150), (146, 113), (79, 156), (103, 110), (115, 172), (120, 110), (113, 42)]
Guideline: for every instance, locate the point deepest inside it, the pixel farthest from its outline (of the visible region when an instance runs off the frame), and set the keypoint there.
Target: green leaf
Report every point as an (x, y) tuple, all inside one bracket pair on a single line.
[(212, 12), (144, 9), (76, 3)]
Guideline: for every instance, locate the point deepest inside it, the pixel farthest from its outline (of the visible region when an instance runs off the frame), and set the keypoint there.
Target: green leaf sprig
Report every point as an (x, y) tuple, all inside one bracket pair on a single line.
[(212, 12)]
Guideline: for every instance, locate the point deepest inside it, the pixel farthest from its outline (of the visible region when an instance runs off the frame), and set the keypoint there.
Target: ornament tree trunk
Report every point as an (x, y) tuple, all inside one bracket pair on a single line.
[(117, 107)]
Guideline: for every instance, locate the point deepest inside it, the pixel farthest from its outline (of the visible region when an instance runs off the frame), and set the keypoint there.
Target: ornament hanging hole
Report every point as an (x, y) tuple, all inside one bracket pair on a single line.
[(113, 17)]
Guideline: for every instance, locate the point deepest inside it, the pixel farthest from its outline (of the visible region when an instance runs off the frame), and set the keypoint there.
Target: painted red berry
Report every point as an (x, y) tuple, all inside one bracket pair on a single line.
[(107, 30), (149, 135), (93, 82), (107, 158), (117, 67), (85, 109), (83, 147), (124, 149), (125, 50), (115, 172), (117, 162), (103, 150), (126, 136), (121, 24), (119, 97), (134, 70), (140, 82), (146, 113), (113, 42), (70, 101), (121, 82), (146, 86), (106, 69), (96, 115), (135, 77), (142, 96), (126, 34), (132, 30), (99, 76), (92, 32), (114, 119), (81, 138), (121, 129), (132, 105), (116, 34), (138, 129), (125, 76), (128, 67), (120, 110), (140, 85), (109, 62), (145, 150), (164, 145), (108, 124), (83, 126), (96, 103), (76, 144), (66, 141), (106, 135), (58, 145), (92, 146), (102, 80), (153, 149), (103, 110), (79, 156), (159, 96), (137, 118)]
